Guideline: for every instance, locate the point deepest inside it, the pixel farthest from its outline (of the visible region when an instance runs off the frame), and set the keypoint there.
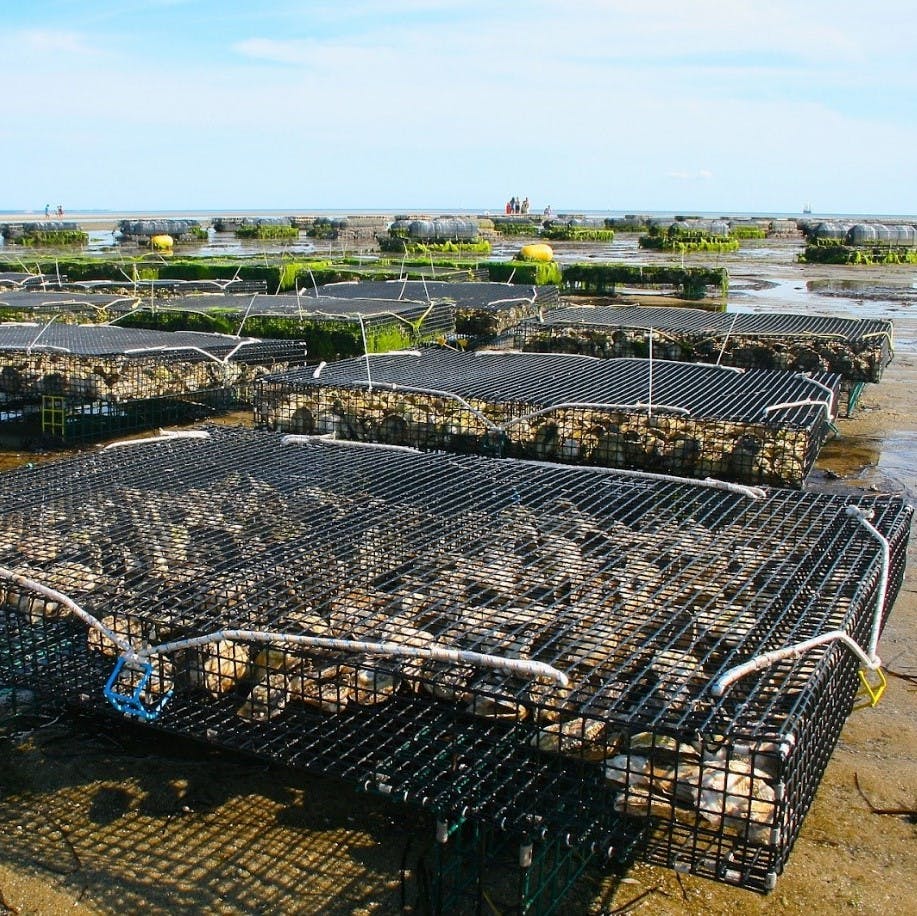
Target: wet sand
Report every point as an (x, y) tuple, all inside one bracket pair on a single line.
[(102, 820)]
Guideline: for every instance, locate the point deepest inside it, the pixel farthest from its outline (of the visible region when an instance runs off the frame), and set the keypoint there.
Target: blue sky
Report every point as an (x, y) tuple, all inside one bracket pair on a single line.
[(400, 104)]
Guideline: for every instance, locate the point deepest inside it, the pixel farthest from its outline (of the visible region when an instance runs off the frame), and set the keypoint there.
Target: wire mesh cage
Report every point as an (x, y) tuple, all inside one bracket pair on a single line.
[(555, 652), (856, 349), (23, 279), (26, 303), (171, 286), (755, 426), (100, 362), (483, 310)]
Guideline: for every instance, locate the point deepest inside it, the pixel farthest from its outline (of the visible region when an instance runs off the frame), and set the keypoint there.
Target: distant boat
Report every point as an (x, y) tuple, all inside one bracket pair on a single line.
[(807, 209)]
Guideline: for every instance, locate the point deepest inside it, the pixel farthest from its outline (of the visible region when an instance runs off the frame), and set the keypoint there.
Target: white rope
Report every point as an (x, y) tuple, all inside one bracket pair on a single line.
[(164, 436), (863, 516), (369, 378), (766, 659), (68, 603), (735, 318), (711, 482), (805, 402), (42, 331), (436, 653)]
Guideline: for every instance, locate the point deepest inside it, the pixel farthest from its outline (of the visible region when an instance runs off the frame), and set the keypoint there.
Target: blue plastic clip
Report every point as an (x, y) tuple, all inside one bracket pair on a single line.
[(131, 704)]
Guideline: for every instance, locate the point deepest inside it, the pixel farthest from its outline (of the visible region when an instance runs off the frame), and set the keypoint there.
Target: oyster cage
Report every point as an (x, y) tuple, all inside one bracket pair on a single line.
[(558, 653), (331, 327), (28, 302), (856, 349), (753, 426), (80, 383), (483, 310), (101, 362)]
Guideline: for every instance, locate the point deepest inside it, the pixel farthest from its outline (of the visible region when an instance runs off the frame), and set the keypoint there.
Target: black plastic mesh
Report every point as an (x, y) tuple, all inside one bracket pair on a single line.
[(857, 349), (641, 591), (679, 418)]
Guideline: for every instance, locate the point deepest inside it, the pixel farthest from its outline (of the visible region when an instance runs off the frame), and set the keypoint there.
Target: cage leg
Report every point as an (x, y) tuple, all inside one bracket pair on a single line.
[(853, 396)]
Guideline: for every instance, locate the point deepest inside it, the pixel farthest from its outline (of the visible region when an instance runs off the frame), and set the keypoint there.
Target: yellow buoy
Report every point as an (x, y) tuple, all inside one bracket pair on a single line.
[(537, 251), (161, 242)]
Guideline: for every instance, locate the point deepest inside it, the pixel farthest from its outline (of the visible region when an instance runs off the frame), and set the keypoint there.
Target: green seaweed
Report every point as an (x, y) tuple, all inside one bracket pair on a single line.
[(44, 238), (834, 251), (267, 232), (577, 234), (602, 279), (538, 273)]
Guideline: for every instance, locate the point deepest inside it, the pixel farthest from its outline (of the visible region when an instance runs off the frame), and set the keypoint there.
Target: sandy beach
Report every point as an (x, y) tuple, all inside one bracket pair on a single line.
[(111, 820)]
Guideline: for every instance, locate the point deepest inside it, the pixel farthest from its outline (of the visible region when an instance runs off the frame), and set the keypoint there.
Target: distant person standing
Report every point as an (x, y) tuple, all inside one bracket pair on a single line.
[(525, 205), (60, 211), (47, 210), (509, 206)]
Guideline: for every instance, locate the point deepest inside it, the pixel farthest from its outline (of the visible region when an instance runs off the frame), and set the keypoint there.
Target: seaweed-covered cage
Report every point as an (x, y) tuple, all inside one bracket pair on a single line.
[(753, 426), (483, 310), (331, 327), (35, 299), (563, 654)]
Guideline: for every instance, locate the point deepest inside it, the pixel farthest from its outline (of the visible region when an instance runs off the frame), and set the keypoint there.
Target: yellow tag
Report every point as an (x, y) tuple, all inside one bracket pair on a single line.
[(874, 693)]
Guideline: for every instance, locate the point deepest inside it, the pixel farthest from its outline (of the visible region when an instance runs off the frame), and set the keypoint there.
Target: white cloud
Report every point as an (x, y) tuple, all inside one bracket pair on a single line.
[(48, 44), (682, 175)]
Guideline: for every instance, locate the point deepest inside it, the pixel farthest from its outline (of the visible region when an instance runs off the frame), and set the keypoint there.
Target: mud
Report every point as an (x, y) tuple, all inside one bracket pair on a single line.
[(100, 820)]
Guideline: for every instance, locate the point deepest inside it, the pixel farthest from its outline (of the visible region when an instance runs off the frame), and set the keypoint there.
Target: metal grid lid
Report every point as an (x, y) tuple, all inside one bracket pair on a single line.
[(554, 379), (642, 591), (292, 306), (106, 340), (699, 321), (484, 296), (44, 300)]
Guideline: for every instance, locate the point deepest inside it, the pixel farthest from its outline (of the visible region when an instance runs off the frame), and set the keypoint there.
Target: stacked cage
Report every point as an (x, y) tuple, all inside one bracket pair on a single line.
[(484, 311), (856, 349), (754, 426), (90, 381), (332, 327), (569, 656), (28, 303)]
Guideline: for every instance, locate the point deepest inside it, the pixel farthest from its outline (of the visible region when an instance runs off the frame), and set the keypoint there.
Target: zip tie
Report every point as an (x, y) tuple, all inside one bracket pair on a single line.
[(434, 653), (874, 693)]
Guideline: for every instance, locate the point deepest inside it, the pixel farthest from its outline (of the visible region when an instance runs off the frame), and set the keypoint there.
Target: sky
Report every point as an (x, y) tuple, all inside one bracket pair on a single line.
[(753, 106)]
